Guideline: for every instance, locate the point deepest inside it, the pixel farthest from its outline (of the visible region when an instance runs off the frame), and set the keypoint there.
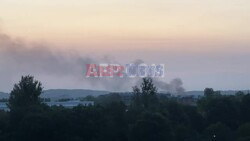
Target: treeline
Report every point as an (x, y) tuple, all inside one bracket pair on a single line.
[(148, 118)]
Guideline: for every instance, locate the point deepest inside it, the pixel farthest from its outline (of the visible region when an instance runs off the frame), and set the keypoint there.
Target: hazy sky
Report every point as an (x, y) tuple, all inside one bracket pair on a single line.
[(203, 42)]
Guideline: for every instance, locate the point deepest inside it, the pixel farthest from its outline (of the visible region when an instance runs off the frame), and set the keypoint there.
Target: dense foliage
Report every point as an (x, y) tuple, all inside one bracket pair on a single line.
[(147, 118)]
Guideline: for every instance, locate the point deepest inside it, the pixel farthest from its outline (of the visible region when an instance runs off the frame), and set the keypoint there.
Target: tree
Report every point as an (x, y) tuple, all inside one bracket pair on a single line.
[(219, 109), (136, 97), (245, 108), (4, 120), (208, 92), (105, 100), (185, 133), (34, 127), (145, 97), (148, 91), (243, 132), (218, 132), (26, 93), (151, 127)]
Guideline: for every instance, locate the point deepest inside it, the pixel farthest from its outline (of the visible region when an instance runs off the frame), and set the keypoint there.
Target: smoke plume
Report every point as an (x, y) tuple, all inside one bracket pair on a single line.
[(60, 68)]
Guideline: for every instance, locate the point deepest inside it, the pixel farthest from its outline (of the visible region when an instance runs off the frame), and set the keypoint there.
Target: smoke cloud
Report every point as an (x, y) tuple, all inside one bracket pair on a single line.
[(67, 69), (174, 87)]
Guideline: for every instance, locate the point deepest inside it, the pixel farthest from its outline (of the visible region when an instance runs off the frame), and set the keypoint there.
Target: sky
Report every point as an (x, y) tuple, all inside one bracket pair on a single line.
[(205, 43)]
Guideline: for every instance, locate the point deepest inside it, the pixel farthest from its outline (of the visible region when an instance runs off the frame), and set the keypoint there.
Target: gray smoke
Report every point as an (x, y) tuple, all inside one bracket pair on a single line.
[(19, 58), (175, 86)]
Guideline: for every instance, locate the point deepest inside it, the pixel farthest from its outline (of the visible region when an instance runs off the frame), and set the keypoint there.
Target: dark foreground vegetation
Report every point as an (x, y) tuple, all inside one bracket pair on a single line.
[(149, 117)]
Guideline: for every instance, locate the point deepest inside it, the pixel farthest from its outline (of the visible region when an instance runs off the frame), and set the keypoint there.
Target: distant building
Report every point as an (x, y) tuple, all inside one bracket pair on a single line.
[(70, 104), (3, 106), (188, 100), (66, 104)]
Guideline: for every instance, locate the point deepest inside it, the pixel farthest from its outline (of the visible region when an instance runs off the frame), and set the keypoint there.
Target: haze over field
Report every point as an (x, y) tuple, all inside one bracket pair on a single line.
[(205, 43)]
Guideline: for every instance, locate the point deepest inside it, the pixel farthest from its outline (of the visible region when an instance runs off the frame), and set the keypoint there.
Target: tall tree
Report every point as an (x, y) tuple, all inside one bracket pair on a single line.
[(146, 95), (218, 132), (149, 92), (136, 97), (26, 93), (208, 92)]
